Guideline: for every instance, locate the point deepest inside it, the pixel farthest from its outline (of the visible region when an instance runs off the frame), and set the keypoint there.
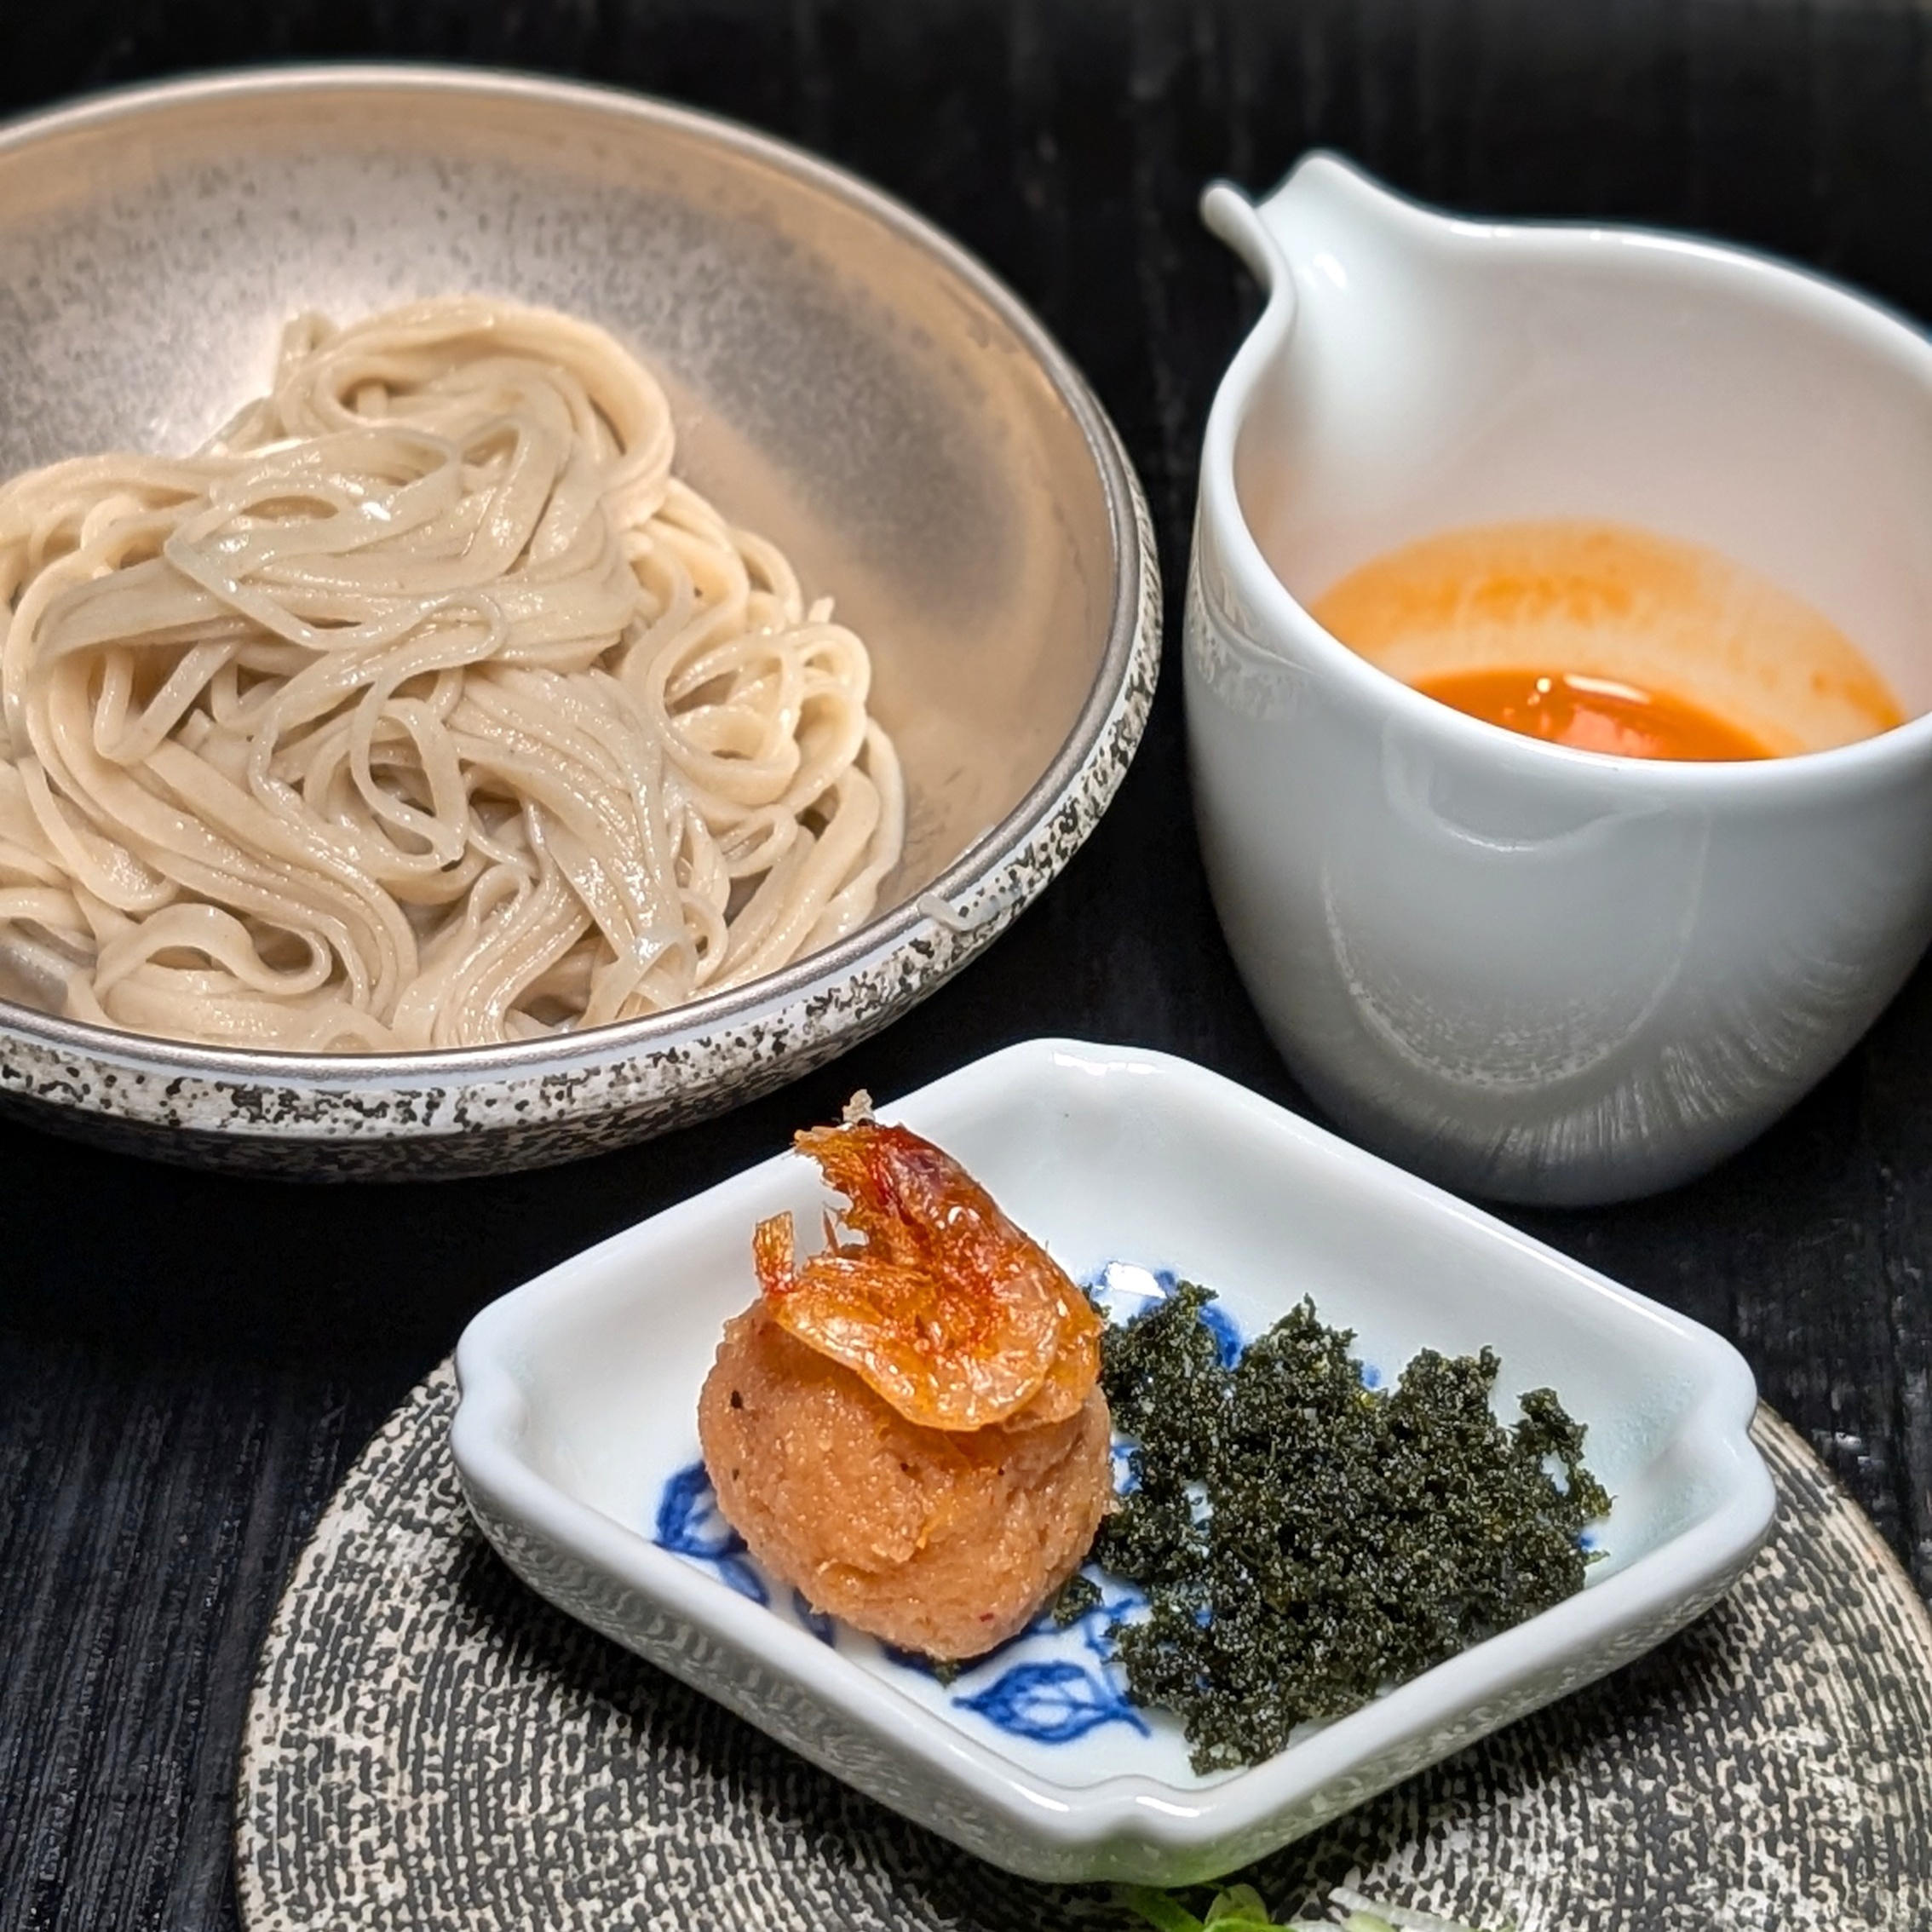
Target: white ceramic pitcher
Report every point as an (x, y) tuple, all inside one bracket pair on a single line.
[(1531, 972)]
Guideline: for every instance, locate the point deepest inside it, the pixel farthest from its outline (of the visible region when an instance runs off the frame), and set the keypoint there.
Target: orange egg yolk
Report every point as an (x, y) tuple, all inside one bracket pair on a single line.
[(1608, 638), (1592, 714)]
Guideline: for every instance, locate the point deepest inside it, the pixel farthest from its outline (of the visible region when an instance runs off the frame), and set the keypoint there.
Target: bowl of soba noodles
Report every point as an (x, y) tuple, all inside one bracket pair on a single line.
[(530, 616)]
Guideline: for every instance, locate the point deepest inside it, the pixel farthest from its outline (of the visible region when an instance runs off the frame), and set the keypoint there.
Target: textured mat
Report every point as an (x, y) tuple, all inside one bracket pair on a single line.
[(430, 1748)]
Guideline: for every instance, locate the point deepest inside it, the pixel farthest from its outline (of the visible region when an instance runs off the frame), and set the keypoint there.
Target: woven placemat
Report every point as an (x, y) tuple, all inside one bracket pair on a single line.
[(431, 1748)]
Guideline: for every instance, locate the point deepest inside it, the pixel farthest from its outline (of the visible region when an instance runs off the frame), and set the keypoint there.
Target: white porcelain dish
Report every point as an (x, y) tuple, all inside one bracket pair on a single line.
[(575, 1441), (844, 379), (1527, 971)]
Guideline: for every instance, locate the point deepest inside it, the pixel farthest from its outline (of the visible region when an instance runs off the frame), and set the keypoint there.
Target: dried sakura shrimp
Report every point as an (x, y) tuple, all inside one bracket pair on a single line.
[(940, 1304)]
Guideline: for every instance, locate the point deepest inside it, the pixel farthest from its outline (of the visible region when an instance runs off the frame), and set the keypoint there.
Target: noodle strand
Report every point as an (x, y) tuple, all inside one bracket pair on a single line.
[(423, 708)]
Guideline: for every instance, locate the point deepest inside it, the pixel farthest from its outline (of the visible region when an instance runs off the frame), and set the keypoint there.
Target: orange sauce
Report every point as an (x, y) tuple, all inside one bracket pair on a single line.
[(1592, 714), (1609, 638)]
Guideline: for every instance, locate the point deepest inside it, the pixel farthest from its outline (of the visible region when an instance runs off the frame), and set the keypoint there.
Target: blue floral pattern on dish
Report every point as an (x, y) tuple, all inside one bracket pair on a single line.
[(1051, 1684), (816, 1621), (1054, 1702), (1122, 1290), (690, 1524), (1228, 1342), (1055, 1698)]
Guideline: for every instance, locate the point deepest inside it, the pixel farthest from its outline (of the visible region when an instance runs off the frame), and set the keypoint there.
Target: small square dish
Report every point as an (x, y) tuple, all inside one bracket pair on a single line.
[(576, 1440)]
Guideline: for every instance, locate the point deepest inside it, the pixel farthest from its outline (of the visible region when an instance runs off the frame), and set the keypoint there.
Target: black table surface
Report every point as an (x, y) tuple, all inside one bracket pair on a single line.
[(187, 1362)]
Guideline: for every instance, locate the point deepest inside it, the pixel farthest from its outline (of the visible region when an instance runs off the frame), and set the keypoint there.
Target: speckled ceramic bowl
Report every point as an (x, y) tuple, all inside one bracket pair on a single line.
[(845, 379)]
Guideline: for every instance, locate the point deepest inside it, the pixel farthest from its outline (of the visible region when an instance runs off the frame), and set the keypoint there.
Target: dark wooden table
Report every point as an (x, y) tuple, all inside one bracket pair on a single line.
[(186, 1363)]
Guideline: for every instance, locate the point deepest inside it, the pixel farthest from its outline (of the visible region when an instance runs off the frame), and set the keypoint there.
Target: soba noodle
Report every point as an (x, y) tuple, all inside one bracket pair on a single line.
[(424, 707)]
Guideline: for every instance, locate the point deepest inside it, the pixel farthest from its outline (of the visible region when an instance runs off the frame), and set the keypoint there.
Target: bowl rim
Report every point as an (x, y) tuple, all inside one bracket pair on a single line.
[(1655, 1593), (945, 904), (1712, 270)]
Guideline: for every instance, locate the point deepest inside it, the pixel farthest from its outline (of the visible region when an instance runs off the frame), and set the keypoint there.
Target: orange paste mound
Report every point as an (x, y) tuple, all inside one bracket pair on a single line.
[(908, 1427), (941, 1541), (940, 1304)]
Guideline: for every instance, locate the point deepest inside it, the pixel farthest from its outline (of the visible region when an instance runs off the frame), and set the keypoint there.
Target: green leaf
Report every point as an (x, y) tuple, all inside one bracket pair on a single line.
[(1239, 1906), (1161, 1910)]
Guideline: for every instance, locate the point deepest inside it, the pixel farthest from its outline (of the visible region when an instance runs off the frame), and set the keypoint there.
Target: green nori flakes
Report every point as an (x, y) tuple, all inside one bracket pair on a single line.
[(1303, 1539), (1077, 1596)]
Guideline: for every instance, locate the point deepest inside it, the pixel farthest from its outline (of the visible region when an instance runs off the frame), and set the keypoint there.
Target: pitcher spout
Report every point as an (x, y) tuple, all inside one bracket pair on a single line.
[(1315, 222)]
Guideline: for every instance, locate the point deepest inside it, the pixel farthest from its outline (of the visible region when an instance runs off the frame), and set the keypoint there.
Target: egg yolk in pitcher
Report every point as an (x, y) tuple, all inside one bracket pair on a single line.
[(1608, 638), (1592, 714)]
